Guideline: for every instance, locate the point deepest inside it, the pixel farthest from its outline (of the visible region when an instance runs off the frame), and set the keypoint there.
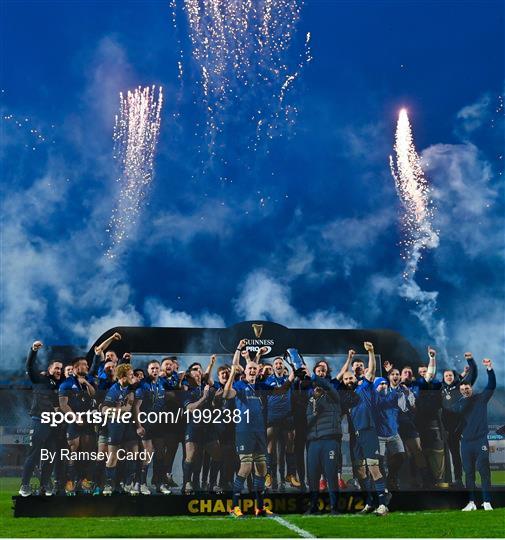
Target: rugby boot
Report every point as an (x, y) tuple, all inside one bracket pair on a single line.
[(487, 506), (236, 512), (107, 490), (46, 490), (323, 484), (135, 490), (382, 510), (25, 490), (171, 483), (293, 480), (263, 512), (469, 507), (144, 490), (268, 481), (164, 489), (368, 509)]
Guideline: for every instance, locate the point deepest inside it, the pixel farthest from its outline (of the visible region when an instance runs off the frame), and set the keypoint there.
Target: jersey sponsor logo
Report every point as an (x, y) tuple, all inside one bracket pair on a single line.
[(331, 454), (484, 448)]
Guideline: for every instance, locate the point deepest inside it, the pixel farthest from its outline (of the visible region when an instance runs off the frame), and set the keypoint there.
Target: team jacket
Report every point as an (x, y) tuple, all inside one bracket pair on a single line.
[(45, 388), (473, 410), (324, 413)]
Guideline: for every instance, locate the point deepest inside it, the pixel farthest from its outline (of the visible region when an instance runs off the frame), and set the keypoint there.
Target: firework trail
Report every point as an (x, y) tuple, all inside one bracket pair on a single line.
[(135, 138), (241, 52), (414, 192)]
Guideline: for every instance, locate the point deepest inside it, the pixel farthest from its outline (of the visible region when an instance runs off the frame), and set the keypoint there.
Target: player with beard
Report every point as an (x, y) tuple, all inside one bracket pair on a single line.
[(45, 399), (121, 434), (451, 420), (363, 423), (391, 447), (407, 426), (250, 432), (474, 443), (324, 436), (174, 436), (199, 436), (226, 431), (428, 419), (76, 394), (150, 396), (280, 432)]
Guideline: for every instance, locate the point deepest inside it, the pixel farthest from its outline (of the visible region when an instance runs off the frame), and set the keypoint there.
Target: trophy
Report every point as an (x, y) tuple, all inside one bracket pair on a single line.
[(296, 361)]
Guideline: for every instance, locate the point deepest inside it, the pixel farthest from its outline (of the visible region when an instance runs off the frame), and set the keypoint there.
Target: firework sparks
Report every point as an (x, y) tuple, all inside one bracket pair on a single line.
[(414, 193), (241, 48), (135, 138)]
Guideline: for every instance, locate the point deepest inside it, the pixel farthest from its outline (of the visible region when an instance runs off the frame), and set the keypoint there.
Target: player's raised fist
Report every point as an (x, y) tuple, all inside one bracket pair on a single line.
[(36, 345), (213, 359), (468, 355), (431, 352), (487, 363), (351, 353), (388, 366), (127, 356), (242, 343), (117, 336), (263, 351), (368, 346)]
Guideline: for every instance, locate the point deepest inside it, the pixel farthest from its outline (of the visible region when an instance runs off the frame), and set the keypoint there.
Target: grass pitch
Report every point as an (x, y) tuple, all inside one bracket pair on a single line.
[(396, 525)]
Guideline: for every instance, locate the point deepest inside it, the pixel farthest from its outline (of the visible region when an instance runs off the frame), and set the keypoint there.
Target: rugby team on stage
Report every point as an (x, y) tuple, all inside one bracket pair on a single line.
[(264, 425)]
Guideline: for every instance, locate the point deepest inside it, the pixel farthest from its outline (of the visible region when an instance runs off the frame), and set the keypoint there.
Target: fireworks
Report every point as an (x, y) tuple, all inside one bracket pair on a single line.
[(414, 192), (241, 51), (135, 138)]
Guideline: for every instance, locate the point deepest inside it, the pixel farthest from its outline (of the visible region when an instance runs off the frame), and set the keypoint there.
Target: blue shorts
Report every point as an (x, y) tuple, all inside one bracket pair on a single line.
[(251, 442), (366, 445), (120, 433), (201, 434), (80, 430), (283, 423)]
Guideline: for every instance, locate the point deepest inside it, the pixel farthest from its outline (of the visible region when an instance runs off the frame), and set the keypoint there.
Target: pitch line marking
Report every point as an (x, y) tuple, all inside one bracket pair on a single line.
[(292, 527)]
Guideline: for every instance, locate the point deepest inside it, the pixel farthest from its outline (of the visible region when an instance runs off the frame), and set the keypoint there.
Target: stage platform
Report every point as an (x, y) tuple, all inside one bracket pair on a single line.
[(280, 503)]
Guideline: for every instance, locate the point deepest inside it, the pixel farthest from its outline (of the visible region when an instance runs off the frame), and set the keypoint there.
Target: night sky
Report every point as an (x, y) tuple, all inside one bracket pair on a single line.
[(302, 228)]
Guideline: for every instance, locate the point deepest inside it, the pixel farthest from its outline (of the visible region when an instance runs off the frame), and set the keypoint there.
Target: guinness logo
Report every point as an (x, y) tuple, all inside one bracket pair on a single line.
[(258, 329)]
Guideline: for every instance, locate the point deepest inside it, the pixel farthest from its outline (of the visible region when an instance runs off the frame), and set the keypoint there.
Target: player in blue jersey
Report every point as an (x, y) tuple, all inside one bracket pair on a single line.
[(200, 435), (366, 444), (76, 394), (250, 434), (103, 355), (150, 397), (391, 447), (174, 436), (474, 444), (280, 432), (121, 432)]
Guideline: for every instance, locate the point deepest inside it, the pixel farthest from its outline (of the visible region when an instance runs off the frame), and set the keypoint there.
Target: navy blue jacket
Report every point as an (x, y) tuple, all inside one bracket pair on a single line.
[(474, 410), (324, 413)]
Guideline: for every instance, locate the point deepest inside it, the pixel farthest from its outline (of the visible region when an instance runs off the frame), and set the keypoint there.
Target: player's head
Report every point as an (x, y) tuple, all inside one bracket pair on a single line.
[(466, 390), (321, 368), (358, 368), (407, 374), (54, 369), (422, 370), (394, 377), (278, 365), (68, 371), (109, 368), (195, 372), (80, 367), (266, 370), (380, 384), (449, 376), (138, 374), (349, 379), (223, 374), (124, 374), (167, 367), (153, 369), (111, 356), (251, 372)]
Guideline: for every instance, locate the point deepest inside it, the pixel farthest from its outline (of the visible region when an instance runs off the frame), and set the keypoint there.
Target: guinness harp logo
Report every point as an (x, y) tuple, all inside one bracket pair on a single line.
[(258, 330)]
